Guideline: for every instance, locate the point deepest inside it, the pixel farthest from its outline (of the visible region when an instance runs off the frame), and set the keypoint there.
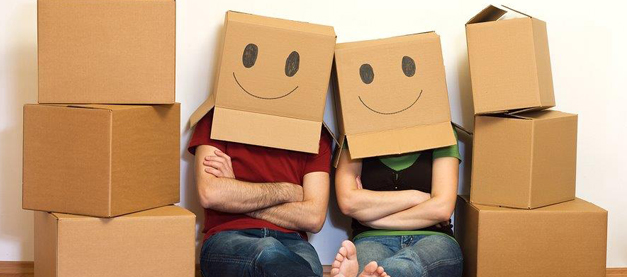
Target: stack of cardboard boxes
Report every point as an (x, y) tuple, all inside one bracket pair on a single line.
[(103, 177), (522, 218)]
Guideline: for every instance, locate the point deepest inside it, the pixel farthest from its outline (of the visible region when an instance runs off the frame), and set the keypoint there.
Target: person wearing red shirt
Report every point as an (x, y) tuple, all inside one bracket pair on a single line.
[(259, 203)]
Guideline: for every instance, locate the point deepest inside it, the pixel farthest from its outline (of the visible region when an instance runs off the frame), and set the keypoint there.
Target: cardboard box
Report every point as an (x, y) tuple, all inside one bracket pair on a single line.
[(93, 51), (100, 160), (510, 67), (392, 95), (526, 160), (272, 83), (158, 242), (567, 239)]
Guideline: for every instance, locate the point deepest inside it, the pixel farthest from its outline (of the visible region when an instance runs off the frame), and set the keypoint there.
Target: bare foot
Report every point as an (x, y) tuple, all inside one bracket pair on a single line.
[(346, 265)]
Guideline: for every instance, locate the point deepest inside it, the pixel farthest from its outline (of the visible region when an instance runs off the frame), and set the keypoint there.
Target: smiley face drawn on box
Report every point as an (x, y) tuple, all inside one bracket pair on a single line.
[(392, 83), (274, 66), (392, 95), (272, 82), (366, 72)]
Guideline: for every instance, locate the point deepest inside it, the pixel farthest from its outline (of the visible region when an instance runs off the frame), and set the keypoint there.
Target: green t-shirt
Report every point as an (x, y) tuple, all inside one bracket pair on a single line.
[(400, 162)]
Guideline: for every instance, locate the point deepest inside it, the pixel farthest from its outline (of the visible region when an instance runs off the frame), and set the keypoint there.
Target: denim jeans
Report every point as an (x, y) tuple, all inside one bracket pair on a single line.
[(418, 255), (258, 252)]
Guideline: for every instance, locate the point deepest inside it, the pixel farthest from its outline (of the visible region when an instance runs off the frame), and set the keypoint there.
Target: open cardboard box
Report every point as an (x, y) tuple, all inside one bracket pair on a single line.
[(510, 65), (272, 83), (392, 96), (115, 52), (157, 242), (100, 160), (566, 239), (526, 160)]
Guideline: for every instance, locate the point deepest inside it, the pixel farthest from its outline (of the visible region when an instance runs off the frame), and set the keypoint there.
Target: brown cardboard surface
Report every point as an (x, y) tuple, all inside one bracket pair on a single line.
[(45, 244), (158, 242), (404, 107), (567, 239), (527, 160), (98, 160), (260, 84), (509, 59), (92, 51)]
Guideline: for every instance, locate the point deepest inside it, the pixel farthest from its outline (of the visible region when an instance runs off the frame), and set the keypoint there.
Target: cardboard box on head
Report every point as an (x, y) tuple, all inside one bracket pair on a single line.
[(392, 95), (272, 83), (510, 65)]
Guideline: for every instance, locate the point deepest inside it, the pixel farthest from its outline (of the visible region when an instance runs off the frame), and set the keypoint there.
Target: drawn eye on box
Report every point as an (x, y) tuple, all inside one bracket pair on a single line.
[(249, 59), (367, 75)]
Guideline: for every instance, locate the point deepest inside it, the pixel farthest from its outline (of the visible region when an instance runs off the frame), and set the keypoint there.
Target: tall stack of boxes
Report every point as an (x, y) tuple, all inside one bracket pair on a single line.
[(102, 176), (522, 217)]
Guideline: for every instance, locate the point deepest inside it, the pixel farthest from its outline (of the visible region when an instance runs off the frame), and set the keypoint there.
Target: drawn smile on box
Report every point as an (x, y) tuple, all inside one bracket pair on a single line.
[(367, 77), (390, 113), (261, 97), (249, 58)]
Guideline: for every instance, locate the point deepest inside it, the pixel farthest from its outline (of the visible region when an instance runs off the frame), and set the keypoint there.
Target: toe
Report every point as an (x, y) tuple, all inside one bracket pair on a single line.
[(351, 252), (339, 257), (371, 267)]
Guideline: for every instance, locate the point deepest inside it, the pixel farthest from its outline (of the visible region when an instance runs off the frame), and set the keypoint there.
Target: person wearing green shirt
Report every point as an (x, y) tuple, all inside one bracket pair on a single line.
[(401, 207)]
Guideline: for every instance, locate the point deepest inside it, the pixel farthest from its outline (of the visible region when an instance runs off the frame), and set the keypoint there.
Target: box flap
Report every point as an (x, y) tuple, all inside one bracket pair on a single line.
[(577, 205), (462, 129), (490, 13), (202, 110), (266, 130), (170, 210), (399, 141), (288, 25), (493, 13), (541, 115)]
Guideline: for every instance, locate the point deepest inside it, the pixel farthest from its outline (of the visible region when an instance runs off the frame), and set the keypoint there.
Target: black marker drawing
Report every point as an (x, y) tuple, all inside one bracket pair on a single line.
[(366, 73), (292, 63), (391, 113), (409, 66), (250, 55), (367, 76), (261, 97), (249, 58)]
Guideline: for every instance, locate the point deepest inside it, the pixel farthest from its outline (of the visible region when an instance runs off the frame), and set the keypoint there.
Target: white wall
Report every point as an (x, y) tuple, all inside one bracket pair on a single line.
[(589, 71)]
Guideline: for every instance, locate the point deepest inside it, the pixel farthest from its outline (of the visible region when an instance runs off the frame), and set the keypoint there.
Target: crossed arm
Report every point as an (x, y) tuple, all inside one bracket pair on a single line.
[(291, 206), (398, 210)]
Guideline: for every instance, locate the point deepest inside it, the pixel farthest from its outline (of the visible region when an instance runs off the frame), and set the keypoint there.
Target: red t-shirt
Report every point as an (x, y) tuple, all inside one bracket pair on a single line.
[(257, 164)]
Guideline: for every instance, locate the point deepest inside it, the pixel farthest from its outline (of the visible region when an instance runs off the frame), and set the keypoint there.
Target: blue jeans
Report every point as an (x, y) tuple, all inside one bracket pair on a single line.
[(405, 256), (258, 252)]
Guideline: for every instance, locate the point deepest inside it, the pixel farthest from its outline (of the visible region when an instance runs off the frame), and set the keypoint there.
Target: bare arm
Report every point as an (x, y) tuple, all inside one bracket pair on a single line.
[(219, 190), (438, 208), (368, 205), (307, 215)]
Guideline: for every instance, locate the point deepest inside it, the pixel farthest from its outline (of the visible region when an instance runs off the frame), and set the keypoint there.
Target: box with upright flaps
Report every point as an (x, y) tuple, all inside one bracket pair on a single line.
[(392, 96), (271, 84), (510, 65)]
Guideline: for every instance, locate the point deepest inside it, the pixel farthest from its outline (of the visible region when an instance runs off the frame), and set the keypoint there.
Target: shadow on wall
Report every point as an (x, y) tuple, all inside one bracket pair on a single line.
[(188, 186), (16, 225), (465, 141)]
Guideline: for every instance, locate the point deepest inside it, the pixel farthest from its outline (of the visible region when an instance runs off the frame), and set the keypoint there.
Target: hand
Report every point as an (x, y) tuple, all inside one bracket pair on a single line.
[(359, 185), (443, 224), (219, 165)]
